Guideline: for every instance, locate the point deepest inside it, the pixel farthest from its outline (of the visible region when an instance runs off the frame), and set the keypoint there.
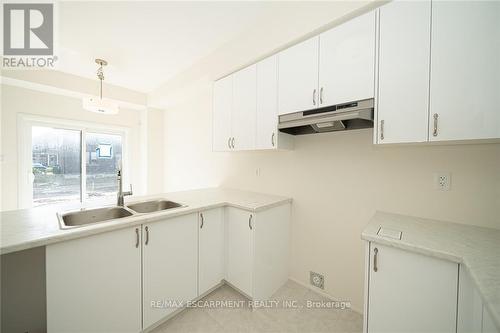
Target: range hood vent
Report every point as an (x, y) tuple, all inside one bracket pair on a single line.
[(355, 115)]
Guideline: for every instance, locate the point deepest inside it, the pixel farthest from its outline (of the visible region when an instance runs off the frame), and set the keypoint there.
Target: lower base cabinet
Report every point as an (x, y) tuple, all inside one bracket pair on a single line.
[(210, 249), (130, 279), (409, 292), (257, 246), (94, 283), (169, 266), (473, 317)]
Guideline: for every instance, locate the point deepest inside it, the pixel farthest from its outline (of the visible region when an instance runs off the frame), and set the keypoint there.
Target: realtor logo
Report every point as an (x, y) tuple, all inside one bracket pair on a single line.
[(28, 29)]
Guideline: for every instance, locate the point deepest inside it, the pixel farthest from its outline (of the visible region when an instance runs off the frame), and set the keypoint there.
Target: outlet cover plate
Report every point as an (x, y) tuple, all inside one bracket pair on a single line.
[(442, 181), (317, 280)]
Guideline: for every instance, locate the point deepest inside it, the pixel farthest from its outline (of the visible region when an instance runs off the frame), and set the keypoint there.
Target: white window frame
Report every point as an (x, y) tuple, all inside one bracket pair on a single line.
[(25, 150)]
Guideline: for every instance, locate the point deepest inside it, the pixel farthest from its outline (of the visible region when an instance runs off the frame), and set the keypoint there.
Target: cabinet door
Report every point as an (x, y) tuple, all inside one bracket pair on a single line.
[(222, 107), (465, 70), (403, 72), (169, 265), (470, 305), (94, 283), (410, 292), (211, 249), (239, 251), (244, 108), (347, 61), (488, 324), (267, 103), (298, 77), (271, 230)]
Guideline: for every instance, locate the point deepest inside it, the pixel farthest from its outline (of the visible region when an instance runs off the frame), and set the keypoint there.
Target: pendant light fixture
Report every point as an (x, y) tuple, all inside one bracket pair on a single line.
[(98, 104)]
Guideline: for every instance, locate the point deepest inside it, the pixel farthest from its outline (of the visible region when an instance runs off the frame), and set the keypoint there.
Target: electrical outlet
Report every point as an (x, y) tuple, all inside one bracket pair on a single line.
[(442, 181), (317, 280), (257, 172)]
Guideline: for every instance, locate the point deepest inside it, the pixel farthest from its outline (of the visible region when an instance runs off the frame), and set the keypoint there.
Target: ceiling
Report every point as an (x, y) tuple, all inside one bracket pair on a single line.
[(147, 43)]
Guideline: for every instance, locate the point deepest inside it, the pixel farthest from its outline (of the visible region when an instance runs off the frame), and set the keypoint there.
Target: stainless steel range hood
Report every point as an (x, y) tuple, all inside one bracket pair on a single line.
[(341, 117)]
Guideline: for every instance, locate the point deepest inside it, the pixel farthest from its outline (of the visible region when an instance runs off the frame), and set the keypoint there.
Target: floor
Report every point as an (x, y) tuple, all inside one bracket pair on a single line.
[(275, 319)]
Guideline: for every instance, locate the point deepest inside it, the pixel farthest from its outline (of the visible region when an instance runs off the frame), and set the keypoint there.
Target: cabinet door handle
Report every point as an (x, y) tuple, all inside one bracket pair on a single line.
[(229, 142), (314, 97), (375, 251), (321, 96), (202, 220), (382, 129), (272, 139), (250, 222), (435, 132), (147, 236), (232, 142), (136, 237)]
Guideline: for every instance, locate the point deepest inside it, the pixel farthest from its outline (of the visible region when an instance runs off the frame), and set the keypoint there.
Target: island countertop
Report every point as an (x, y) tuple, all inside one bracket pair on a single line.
[(29, 228), (477, 248)]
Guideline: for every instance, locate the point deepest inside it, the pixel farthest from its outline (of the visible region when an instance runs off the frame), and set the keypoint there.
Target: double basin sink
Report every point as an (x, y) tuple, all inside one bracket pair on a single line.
[(90, 216)]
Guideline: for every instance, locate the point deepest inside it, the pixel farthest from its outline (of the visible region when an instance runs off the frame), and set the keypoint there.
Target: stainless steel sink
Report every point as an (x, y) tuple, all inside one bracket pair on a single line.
[(154, 206), (89, 216)]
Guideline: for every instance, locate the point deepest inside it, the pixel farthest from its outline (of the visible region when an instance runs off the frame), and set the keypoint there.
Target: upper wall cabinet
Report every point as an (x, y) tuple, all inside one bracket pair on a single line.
[(334, 68), (347, 61), (403, 76), (439, 80), (244, 108), (268, 136), (222, 109), (298, 77), (465, 70)]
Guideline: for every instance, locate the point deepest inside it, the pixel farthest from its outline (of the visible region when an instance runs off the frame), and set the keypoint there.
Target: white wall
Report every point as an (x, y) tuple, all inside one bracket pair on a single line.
[(16, 100)]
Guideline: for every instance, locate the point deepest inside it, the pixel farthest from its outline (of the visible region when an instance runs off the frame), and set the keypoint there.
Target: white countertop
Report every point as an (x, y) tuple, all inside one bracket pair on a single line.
[(28, 228), (476, 247)]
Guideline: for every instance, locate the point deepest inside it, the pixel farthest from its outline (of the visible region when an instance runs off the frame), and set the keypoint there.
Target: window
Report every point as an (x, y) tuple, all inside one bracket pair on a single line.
[(103, 155), (56, 165), (71, 163)]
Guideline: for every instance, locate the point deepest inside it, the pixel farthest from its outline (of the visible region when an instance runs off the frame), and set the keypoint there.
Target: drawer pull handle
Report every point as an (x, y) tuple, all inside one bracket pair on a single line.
[(136, 237), (435, 132)]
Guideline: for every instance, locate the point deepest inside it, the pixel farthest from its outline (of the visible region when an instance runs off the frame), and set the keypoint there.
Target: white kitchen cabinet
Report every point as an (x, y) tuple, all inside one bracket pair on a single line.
[(210, 249), (267, 103), (347, 61), (409, 292), (470, 305), (222, 113), (403, 72), (257, 247), (243, 119), (465, 70), (239, 251), (298, 77), (169, 265), (488, 324), (94, 283), (268, 136)]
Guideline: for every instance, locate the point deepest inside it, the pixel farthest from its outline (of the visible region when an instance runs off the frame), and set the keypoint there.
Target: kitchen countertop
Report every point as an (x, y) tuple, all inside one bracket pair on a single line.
[(478, 248), (28, 228)]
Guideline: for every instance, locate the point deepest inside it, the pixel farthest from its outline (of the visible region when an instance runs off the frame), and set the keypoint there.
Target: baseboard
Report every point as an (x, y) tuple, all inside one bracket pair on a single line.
[(176, 312), (322, 293)]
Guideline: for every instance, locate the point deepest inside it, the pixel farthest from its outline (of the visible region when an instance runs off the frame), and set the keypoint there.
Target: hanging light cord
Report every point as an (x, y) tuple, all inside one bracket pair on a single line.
[(100, 75)]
